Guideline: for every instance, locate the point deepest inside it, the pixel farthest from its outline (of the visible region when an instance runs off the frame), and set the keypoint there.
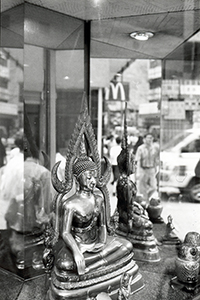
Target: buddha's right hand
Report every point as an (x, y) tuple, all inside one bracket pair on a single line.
[(80, 263)]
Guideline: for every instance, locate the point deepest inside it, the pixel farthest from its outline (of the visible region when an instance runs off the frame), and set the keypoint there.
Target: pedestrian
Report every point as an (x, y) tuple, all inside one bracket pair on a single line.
[(114, 152), (2, 154), (110, 142), (147, 159)]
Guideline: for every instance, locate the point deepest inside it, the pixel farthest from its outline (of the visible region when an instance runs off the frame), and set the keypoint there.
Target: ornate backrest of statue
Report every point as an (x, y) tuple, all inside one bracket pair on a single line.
[(87, 259), (134, 222)]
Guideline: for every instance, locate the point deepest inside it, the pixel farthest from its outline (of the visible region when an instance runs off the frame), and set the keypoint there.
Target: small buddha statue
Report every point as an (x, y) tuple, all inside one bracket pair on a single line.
[(170, 237), (87, 259)]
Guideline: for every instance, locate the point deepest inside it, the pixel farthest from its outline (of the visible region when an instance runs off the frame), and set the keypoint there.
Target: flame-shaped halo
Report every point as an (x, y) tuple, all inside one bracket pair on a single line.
[(82, 141)]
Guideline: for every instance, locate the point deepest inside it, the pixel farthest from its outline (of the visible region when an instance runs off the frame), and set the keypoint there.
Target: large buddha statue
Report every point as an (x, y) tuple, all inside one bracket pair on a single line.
[(133, 220), (87, 259)]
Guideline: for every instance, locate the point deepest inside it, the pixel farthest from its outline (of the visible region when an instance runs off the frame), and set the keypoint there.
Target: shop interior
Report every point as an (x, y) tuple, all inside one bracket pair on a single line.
[(61, 54)]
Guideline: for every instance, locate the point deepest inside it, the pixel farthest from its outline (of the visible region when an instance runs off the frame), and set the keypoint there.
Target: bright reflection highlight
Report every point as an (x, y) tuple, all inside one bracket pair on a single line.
[(141, 35)]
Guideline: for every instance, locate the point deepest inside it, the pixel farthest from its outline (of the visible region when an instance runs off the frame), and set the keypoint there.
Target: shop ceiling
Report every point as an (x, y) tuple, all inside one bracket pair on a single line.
[(173, 23)]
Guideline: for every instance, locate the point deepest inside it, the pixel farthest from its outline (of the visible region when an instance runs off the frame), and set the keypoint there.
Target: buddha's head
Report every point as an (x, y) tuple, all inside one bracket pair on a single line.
[(85, 171), (126, 161)]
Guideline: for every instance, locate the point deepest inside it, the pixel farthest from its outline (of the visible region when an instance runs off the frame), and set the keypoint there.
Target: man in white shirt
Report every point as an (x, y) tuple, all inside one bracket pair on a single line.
[(147, 157)]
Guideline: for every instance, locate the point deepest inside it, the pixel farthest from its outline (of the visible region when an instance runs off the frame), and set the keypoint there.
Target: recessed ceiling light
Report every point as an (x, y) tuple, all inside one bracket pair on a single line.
[(141, 35), (66, 77)]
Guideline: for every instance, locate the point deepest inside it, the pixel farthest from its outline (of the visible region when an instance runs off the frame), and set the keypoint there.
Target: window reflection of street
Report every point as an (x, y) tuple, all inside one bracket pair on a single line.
[(185, 215)]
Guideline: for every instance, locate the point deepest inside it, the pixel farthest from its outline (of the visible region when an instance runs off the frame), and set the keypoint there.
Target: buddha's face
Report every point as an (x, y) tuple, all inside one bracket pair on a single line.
[(88, 180)]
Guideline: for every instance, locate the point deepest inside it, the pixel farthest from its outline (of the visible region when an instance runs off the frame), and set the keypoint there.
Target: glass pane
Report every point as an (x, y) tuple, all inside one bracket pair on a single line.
[(180, 138), (53, 92), (11, 134), (69, 89), (138, 82), (41, 92), (11, 130)]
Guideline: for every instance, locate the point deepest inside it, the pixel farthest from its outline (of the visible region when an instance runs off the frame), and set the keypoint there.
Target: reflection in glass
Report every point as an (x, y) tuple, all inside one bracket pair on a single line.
[(69, 91), (11, 134), (180, 137)]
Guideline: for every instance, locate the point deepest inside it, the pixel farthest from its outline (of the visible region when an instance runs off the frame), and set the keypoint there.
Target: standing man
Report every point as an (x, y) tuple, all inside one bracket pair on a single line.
[(147, 158), (2, 154)]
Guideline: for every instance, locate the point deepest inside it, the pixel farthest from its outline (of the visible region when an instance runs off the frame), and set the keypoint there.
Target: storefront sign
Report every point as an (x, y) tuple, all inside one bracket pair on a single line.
[(117, 91)]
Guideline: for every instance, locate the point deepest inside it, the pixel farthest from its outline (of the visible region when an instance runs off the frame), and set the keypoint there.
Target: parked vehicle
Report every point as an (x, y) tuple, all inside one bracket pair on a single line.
[(178, 160)]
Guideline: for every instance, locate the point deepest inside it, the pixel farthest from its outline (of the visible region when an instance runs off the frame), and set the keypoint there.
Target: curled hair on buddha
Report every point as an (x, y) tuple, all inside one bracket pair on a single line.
[(82, 164)]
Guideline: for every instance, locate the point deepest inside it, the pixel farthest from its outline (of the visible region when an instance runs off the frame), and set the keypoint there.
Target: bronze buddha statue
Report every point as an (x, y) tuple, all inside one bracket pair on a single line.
[(87, 259), (134, 223)]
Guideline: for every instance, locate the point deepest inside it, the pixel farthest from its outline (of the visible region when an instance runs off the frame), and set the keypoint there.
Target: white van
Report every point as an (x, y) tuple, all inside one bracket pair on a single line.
[(178, 160)]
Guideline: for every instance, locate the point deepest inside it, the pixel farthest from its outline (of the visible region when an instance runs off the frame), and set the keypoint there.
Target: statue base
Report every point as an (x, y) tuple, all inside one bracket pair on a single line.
[(108, 283), (158, 220), (144, 250), (192, 288), (27, 249), (170, 241)]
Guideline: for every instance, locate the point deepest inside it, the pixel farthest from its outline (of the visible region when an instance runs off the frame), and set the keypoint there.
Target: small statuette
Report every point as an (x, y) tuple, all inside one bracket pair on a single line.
[(154, 210), (170, 237), (125, 287), (187, 264)]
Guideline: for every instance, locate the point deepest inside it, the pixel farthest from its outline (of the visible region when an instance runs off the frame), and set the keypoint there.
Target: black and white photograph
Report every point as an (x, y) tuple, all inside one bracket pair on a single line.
[(100, 150)]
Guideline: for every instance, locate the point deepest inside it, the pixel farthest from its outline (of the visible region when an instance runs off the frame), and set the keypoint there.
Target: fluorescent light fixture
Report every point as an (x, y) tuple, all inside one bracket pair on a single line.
[(141, 35)]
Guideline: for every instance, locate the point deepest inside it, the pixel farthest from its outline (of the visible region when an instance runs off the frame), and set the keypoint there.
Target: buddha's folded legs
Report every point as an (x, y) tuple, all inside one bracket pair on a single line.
[(115, 249)]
